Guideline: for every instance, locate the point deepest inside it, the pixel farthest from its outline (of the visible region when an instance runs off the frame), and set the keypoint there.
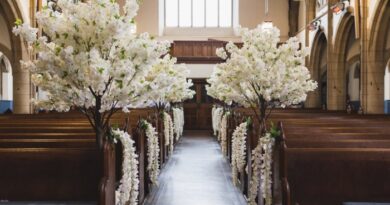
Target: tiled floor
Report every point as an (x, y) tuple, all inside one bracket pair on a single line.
[(196, 174)]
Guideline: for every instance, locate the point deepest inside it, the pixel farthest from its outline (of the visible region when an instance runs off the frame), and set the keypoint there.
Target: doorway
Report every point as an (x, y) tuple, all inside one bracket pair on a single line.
[(197, 111)]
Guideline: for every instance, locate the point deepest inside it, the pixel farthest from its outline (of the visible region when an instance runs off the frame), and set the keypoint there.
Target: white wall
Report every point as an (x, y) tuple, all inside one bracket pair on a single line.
[(200, 70), (7, 87), (7, 80), (251, 13)]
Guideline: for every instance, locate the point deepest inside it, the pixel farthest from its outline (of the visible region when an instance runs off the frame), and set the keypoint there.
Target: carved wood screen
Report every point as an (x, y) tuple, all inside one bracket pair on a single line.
[(197, 111)]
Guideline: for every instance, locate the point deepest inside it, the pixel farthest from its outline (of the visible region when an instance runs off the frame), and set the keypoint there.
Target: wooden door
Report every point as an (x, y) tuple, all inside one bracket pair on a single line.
[(197, 111)]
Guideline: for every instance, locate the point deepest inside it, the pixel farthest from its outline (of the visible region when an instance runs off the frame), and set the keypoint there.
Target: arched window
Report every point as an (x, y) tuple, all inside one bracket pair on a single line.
[(199, 13)]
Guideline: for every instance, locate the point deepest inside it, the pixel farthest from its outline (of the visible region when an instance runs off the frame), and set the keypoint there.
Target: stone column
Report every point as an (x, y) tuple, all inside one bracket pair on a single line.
[(313, 98), (21, 82), (373, 57)]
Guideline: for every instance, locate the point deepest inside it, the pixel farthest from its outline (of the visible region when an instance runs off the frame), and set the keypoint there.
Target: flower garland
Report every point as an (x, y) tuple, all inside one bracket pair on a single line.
[(127, 192), (178, 120), (216, 113), (223, 133), (153, 153), (262, 170), (238, 150), (168, 131)]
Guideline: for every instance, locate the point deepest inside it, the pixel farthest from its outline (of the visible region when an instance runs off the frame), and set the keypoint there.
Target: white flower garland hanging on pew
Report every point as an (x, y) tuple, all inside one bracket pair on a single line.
[(153, 153), (168, 131), (217, 113), (127, 192), (238, 150), (178, 120), (223, 133), (262, 170)]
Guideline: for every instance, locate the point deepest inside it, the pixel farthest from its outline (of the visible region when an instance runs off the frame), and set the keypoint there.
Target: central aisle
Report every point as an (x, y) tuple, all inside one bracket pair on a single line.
[(196, 174)]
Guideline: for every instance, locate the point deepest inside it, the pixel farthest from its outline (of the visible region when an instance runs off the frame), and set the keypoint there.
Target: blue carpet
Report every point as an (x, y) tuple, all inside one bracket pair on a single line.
[(49, 203)]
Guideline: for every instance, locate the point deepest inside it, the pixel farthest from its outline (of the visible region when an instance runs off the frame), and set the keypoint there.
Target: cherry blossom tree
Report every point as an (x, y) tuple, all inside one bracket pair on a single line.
[(261, 75), (89, 59)]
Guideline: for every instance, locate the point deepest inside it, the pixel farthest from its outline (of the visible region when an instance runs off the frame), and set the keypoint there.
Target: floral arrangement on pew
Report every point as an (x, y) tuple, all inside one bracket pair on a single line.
[(261, 75), (153, 166), (127, 192), (168, 131), (239, 150), (216, 114), (167, 83), (90, 60), (178, 121), (222, 134)]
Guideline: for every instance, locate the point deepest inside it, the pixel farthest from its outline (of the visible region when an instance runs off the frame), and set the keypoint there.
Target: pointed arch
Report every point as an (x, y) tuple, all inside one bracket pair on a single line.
[(344, 40), (318, 70), (10, 10), (374, 90)]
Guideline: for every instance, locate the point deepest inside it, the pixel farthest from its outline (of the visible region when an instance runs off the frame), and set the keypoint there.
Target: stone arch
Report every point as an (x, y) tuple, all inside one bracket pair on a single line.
[(318, 70), (379, 34), (345, 39), (11, 11)]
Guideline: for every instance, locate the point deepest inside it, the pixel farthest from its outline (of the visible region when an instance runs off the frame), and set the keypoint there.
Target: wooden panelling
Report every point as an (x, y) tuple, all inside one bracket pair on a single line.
[(197, 51), (197, 112)]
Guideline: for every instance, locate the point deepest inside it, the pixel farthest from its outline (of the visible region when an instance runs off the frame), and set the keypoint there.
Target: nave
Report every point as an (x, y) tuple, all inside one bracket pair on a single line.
[(196, 173)]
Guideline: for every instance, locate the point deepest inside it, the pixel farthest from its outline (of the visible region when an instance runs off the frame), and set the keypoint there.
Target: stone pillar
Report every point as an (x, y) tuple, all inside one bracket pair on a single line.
[(21, 81), (22, 94), (313, 98), (374, 63), (336, 77)]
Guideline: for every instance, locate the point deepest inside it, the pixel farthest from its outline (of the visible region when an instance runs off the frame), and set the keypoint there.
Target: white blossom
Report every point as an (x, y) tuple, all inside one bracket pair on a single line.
[(91, 54), (223, 134), (153, 153), (239, 150), (261, 69), (167, 82), (178, 120), (216, 114), (168, 131), (262, 170), (127, 192)]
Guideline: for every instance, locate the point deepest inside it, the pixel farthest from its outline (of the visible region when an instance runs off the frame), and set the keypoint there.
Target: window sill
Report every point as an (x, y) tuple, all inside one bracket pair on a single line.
[(201, 32)]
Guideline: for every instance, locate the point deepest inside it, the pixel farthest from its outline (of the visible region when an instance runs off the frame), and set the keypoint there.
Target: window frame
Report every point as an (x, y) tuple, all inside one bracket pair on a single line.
[(205, 16)]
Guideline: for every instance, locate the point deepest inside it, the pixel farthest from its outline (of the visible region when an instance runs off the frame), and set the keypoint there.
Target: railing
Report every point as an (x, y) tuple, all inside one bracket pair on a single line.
[(197, 52)]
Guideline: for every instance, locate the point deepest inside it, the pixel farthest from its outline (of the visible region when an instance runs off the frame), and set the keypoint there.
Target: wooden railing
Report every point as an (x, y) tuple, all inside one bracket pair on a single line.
[(197, 52)]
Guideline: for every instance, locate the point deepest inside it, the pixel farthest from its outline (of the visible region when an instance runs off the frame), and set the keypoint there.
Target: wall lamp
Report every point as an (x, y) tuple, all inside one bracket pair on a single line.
[(339, 7)]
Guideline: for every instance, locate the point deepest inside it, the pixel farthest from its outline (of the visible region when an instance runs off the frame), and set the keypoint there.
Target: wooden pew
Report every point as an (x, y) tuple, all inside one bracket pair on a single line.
[(332, 136), (57, 154)]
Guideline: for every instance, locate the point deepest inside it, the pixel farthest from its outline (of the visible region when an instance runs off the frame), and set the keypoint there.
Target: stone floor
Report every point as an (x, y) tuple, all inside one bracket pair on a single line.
[(196, 174)]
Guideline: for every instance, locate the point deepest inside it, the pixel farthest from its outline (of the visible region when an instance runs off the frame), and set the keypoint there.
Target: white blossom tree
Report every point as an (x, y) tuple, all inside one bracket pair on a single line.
[(261, 73), (89, 59), (167, 83)]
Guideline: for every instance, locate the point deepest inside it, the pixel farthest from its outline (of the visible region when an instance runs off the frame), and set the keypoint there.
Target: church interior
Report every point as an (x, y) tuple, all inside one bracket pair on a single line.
[(195, 102)]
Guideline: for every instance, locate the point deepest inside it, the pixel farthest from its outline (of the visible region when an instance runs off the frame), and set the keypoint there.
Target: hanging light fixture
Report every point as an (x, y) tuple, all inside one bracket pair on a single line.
[(267, 24), (339, 7), (314, 25)]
